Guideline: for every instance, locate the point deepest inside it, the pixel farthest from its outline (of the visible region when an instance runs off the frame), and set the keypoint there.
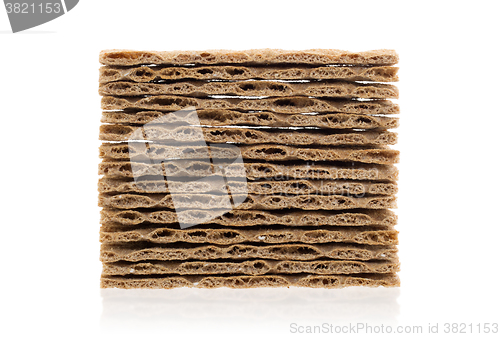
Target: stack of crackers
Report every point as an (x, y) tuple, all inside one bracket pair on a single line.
[(317, 176)]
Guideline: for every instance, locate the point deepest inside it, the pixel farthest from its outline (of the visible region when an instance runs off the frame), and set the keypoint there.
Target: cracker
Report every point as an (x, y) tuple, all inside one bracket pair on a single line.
[(287, 105), (252, 171), (229, 236), (189, 134), (252, 267), (298, 252), (294, 72), (255, 56), (266, 202), (321, 187), (237, 218), (265, 152), (262, 118), (243, 282), (252, 88)]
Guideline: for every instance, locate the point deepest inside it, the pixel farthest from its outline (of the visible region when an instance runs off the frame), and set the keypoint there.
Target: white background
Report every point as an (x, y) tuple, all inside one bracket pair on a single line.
[(448, 199)]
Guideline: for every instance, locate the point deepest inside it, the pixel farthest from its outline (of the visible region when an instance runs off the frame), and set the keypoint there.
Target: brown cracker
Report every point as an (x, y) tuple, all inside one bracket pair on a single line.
[(148, 74), (266, 202), (266, 152), (250, 57), (187, 134), (168, 219), (242, 282), (263, 118), (288, 105), (321, 187), (229, 236), (252, 171), (251, 267), (252, 88), (298, 251)]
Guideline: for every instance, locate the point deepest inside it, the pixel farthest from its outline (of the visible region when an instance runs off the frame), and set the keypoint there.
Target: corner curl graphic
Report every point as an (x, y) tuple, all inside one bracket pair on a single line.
[(26, 14)]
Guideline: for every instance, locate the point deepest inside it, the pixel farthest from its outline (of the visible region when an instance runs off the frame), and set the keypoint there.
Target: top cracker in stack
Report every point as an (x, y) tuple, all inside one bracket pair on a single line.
[(310, 199)]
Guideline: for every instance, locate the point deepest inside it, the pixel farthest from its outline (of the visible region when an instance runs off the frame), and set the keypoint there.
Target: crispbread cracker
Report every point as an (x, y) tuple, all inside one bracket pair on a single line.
[(287, 105), (252, 171), (252, 88), (148, 74), (298, 252), (251, 267), (321, 187), (187, 134), (253, 56), (242, 282), (168, 219), (262, 118), (229, 236), (266, 152), (265, 202)]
